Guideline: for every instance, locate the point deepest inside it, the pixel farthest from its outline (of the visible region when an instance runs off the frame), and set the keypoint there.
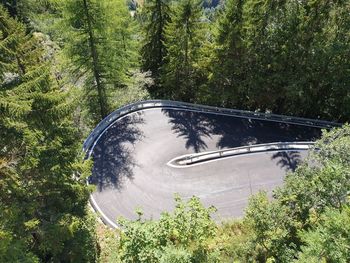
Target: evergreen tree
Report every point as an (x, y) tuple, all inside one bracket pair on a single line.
[(265, 37), (286, 57), (324, 60), (185, 36), (44, 208), (228, 59), (12, 7), (153, 50), (26, 10), (99, 44)]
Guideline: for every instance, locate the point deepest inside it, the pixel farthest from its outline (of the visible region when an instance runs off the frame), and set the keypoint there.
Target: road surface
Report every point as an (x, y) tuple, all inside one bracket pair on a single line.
[(130, 161)]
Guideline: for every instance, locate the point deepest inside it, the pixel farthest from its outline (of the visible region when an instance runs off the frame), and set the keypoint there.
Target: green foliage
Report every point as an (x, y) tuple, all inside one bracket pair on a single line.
[(271, 237), (153, 51), (232, 241), (314, 187), (37, 15), (135, 91), (334, 146), (287, 57), (45, 202), (175, 255), (185, 35), (227, 62), (182, 236), (329, 240), (101, 48), (108, 244), (319, 185), (14, 250)]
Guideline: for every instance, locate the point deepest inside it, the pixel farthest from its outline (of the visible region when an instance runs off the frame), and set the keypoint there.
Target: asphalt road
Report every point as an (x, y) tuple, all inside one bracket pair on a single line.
[(130, 161)]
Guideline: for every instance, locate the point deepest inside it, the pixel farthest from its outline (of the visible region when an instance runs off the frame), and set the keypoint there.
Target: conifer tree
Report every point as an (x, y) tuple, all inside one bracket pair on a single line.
[(184, 39), (44, 207), (121, 53), (99, 45), (153, 50), (286, 57), (229, 54), (24, 10), (12, 6)]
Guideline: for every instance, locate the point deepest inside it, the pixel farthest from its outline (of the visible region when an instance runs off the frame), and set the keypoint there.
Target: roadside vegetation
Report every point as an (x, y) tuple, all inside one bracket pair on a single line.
[(306, 221), (66, 64)]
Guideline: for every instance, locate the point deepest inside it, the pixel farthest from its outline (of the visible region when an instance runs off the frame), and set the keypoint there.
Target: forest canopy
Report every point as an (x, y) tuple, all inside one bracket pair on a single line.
[(66, 64)]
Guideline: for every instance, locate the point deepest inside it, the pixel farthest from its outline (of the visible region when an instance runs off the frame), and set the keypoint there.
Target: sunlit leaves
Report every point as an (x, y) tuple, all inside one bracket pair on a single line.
[(183, 235)]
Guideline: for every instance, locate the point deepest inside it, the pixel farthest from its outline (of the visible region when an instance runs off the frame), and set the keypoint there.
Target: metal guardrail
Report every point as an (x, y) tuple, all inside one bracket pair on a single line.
[(111, 118), (141, 105), (189, 159)]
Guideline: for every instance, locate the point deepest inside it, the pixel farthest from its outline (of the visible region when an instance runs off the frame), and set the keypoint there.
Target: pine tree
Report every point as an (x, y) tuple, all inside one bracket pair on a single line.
[(269, 38), (12, 6), (121, 53), (45, 202), (153, 50), (228, 57), (287, 57), (24, 10), (184, 39), (100, 46)]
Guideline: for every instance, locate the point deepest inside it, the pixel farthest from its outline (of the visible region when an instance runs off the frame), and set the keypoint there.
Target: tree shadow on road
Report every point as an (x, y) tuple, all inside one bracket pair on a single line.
[(198, 128), (192, 126), (234, 131), (289, 160), (112, 155), (237, 132)]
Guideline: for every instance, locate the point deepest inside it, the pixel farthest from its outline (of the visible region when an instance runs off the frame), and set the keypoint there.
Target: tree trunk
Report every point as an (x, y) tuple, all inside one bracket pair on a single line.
[(95, 66), (160, 36)]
